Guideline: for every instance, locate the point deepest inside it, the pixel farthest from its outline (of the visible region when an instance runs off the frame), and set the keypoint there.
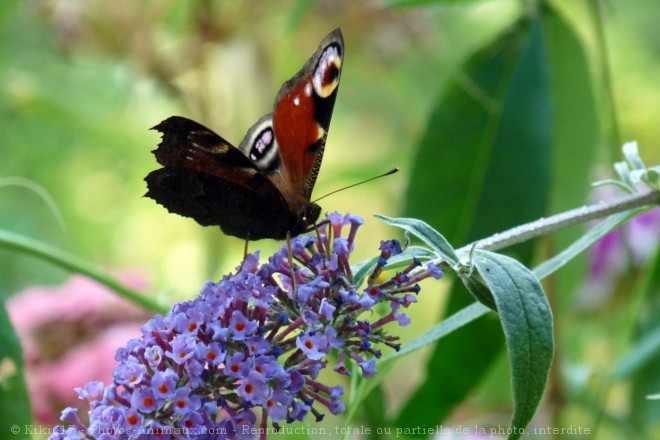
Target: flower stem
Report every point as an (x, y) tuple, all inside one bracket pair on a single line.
[(576, 216)]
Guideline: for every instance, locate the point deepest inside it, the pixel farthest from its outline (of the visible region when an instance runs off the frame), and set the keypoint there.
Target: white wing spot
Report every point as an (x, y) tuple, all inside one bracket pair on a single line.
[(326, 75)]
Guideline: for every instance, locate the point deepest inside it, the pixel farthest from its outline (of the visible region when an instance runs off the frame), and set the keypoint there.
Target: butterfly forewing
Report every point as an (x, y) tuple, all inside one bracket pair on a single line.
[(291, 140), (189, 144), (303, 109)]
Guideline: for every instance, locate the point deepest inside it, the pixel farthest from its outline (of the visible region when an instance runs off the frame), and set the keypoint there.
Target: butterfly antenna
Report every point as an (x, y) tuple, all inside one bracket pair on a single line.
[(392, 171)]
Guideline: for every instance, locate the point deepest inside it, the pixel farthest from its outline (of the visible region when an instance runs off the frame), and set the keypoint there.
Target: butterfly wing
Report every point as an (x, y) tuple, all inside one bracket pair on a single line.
[(263, 188), (260, 146), (204, 177), (288, 144)]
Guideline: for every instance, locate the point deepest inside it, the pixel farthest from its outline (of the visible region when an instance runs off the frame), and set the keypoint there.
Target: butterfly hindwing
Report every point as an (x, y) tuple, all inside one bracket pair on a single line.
[(260, 145)]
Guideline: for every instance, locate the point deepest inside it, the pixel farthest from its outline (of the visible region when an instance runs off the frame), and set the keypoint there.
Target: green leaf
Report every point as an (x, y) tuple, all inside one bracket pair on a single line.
[(458, 362), (15, 402), (406, 257), (362, 269), (643, 353), (62, 259), (442, 329), (371, 388), (575, 139), (40, 192), (644, 357), (527, 323), (593, 235), (374, 408), (472, 151), (483, 166), (426, 233), (478, 288)]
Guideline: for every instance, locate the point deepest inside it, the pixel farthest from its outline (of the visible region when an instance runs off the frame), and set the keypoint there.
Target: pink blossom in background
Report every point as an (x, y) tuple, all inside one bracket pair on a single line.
[(69, 334)]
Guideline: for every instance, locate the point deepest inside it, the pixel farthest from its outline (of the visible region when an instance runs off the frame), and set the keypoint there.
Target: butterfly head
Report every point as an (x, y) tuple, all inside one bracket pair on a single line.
[(306, 218)]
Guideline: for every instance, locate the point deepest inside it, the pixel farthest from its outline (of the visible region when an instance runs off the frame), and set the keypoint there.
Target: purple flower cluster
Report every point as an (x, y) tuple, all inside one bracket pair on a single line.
[(252, 344)]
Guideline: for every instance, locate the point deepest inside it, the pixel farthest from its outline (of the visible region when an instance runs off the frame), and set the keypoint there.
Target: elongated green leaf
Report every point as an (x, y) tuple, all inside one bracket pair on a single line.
[(364, 268), (439, 331), (62, 259), (458, 362), (40, 192), (375, 409), (574, 139), (527, 323), (593, 235), (486, 141), (426, 233), (480, 291), (405, 257), (442, 329), (482, 167), (646, 350), (15, 402), (644, 358)]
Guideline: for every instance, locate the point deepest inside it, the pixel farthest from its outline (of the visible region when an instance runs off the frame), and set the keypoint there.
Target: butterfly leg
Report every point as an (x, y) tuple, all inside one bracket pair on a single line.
[(294, 281), (321, 245), (245, 253), (245, 249), (315, 227)]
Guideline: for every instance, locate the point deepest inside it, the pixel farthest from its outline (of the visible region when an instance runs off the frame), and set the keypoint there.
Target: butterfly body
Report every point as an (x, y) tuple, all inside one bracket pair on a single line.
[(261, 189)]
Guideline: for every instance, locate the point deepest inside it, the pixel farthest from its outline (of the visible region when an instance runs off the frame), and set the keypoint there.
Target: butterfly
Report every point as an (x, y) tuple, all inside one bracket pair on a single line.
[(261, 189)]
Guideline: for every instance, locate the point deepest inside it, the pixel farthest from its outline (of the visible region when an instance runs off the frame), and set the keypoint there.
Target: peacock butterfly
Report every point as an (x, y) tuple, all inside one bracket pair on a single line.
[(261, 189)]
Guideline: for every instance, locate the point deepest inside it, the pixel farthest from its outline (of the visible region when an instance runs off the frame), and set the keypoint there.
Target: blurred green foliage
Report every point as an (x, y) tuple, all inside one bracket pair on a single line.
[(81, 83)]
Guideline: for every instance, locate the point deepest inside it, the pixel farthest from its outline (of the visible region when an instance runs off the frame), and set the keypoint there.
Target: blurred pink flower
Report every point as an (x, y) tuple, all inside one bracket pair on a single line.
[(69, 334)]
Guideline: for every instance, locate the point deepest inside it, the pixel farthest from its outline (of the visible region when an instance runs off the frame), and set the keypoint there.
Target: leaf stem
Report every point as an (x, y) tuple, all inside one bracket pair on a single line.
[(576, 216)]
